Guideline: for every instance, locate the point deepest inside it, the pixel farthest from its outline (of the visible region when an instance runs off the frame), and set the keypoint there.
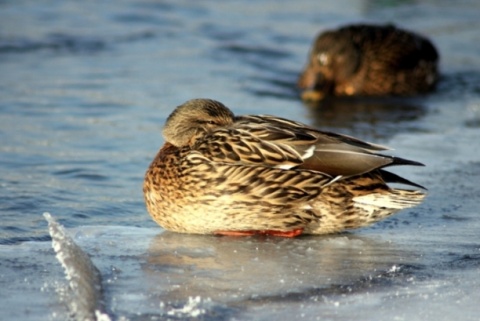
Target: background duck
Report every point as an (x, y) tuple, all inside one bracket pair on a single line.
[(369, 60), (218, 173)]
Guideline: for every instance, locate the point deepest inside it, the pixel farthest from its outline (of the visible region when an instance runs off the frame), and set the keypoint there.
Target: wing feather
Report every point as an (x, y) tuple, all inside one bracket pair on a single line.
[(270, 141)]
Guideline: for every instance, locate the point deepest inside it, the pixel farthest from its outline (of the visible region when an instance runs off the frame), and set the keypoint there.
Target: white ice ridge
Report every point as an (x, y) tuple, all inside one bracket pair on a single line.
[(191, 309), (85, 301)]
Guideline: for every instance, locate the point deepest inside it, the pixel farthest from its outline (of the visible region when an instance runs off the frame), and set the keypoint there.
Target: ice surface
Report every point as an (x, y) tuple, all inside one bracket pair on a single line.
[(30, 279), (89, 85), (150, 274), (85, 284)]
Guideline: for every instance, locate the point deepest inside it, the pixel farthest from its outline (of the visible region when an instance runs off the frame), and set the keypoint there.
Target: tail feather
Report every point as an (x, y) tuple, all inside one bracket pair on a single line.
[(389, 177), (395, 199), (403, 161)]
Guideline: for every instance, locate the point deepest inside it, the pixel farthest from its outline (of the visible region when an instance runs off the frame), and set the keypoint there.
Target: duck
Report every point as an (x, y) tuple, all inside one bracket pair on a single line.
[(369, 60), (222, 174)]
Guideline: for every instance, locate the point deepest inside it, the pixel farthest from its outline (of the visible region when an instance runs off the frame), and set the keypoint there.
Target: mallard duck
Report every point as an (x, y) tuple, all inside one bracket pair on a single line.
[(218, 173), (369, 60)]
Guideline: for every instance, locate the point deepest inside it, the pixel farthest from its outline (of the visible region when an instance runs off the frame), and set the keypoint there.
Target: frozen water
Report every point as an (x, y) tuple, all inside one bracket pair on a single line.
[(163, 275), (84, 280), (85, 88)]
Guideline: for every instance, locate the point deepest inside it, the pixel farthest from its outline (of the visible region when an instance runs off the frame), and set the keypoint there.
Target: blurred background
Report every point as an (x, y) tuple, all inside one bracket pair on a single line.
[(85, 88)]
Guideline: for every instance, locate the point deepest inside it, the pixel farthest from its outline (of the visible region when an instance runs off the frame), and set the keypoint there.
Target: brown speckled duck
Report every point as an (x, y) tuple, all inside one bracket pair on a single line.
[(218, 173), (369, 60)]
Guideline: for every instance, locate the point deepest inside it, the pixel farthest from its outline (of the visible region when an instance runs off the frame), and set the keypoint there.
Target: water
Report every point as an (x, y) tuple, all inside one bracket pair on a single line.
[(84, 91)]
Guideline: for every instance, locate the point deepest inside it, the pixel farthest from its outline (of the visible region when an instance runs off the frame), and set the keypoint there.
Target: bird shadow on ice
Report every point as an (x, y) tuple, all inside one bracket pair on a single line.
[(235, 271)]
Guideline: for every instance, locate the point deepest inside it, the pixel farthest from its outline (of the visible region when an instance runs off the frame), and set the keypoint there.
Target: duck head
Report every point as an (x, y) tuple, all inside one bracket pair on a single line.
[(333, 60), (195, 118)]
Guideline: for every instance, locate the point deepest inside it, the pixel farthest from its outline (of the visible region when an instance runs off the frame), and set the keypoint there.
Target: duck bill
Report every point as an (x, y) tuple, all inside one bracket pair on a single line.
[(312, 95), (314, 86)]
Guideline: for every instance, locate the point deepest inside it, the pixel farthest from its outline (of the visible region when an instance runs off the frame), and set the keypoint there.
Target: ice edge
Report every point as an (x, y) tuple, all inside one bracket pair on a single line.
[(86, 300)]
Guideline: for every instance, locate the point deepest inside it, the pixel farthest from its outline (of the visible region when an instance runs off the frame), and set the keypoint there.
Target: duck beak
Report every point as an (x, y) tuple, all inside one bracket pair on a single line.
[(312, 95), (314, 85)]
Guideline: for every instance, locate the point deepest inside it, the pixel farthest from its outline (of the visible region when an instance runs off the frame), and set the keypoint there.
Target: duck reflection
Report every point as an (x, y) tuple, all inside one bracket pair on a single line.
[(368, 118), (229, 269)]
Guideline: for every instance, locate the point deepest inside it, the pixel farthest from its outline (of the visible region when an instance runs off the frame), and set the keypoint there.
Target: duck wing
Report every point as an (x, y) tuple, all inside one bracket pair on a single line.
[(267, 125), (240, 146), (277, 142), (327, 152)]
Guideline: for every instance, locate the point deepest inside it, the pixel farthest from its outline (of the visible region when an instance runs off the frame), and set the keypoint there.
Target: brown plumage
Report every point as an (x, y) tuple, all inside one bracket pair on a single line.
[(369, 60), (223, 174)]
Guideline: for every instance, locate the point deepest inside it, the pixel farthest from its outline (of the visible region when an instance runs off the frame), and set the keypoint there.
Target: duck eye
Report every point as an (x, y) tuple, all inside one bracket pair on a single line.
[(209, 122), (322, 58)]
